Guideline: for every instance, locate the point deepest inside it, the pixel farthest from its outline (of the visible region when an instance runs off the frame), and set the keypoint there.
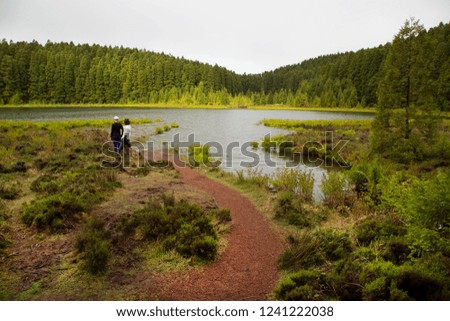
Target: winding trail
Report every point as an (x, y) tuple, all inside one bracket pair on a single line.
[(247, 269)]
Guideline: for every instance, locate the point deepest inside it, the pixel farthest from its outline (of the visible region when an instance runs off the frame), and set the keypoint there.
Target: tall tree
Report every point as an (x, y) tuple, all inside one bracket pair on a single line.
[(406, 111)]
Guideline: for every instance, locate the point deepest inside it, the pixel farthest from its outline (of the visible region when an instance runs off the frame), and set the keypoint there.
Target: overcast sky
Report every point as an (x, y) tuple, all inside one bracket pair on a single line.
[(242, 35)]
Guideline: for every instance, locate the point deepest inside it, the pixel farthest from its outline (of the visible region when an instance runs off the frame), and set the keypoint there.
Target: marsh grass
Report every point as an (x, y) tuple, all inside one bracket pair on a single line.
[(350, 124)]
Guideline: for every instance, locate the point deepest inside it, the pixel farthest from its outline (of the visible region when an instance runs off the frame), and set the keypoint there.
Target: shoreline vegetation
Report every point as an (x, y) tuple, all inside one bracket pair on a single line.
[(67, 124), (181, 106), (382, 230)]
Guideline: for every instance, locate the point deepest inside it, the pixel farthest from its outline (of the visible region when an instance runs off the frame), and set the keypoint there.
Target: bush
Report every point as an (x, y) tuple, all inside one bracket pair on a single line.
[(378, 290), (376, 228), (303, 252), (385, 281), (285, 179), (166, 128), (428, 202), (290, 209), (168, 199), (268, 144), (305, 285), (9, 190), (159, 130), (335, 245), (334, 188), (305, 181), (223, 215), (205, 248), (182, 226), (93, 243), (55, 212), (174, 125), (366, 179), (396, 250), (419, 285), (199, 155), (254, 145), (45, 184)]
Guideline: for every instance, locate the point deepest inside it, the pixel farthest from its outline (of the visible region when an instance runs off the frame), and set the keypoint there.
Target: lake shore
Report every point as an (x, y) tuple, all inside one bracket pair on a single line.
[(162, 106)]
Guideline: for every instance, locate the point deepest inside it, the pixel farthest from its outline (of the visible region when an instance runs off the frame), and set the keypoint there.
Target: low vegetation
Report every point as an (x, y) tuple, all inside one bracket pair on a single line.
[(381, 231), (52, 184), (178, 225)]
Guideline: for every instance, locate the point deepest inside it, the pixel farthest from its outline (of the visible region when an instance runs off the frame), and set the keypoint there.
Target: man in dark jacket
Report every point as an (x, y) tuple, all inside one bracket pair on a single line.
[(116, 134)]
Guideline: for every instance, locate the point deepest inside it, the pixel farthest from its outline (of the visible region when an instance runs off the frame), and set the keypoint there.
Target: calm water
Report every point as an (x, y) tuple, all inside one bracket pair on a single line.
[(225, 126)]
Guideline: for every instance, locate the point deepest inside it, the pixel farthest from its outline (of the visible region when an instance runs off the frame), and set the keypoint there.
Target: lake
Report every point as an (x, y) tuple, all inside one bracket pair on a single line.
[(217, 127)]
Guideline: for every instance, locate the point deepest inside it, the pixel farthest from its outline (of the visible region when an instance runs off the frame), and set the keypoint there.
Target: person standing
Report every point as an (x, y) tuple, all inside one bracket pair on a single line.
[(116, 134), (126, 136)]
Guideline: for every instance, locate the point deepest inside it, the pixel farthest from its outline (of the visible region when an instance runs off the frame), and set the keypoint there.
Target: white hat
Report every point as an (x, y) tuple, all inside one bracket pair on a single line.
[(116, 117)]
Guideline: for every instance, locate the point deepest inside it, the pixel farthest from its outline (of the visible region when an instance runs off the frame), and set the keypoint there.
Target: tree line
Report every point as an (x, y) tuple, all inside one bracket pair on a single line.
[(68, 73)]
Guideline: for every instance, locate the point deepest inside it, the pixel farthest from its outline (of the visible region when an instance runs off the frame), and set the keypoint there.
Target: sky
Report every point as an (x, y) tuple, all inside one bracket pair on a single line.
[(246, 36)]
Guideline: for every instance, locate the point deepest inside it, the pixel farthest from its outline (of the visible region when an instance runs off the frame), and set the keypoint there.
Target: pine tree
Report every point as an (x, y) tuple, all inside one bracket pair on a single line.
[(406, 112)]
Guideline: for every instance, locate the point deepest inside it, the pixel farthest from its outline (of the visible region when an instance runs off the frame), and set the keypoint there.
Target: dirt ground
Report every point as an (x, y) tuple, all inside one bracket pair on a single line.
[(247, 269)]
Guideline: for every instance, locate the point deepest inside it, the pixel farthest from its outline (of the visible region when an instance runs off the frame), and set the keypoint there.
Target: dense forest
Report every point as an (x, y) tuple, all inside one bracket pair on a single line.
[(67, 73)]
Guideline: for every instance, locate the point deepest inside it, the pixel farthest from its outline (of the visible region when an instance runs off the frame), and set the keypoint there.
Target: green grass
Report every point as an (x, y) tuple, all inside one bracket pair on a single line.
[(362, 124), (65, 124)]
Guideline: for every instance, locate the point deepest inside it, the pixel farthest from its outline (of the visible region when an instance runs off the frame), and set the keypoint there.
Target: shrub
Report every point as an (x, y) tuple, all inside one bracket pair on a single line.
[(268, 144), (285, 148), (378, 289), (205, 248), (174, 125), (18, 167), (168, 199), (199, 155), (305, 285), (334, 188), (54, 212), (385, 281), (285, 200), (285, 179), (45, 184), (9, 190), (428, 202), (335, 245), (93, 243), (166, 128), (159, 130), (290, 208), (396, 250), (379, 227), (182, 226), (254, 175), (303, 252), (254, 145), (305, 181), (223, 215), (366, 179)]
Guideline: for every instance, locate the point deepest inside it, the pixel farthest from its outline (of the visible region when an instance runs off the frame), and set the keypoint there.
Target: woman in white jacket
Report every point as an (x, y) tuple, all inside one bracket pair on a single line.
[(126, 136)]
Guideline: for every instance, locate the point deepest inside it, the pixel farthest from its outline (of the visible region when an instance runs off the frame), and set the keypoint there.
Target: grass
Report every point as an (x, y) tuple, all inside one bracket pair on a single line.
[(50, 173), (159, 260), (357, 245), (65, 124), (351, 124)]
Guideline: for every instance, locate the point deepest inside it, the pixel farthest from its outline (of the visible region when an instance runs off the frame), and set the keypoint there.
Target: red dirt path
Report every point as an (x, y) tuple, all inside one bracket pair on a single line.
[(247, 269)]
